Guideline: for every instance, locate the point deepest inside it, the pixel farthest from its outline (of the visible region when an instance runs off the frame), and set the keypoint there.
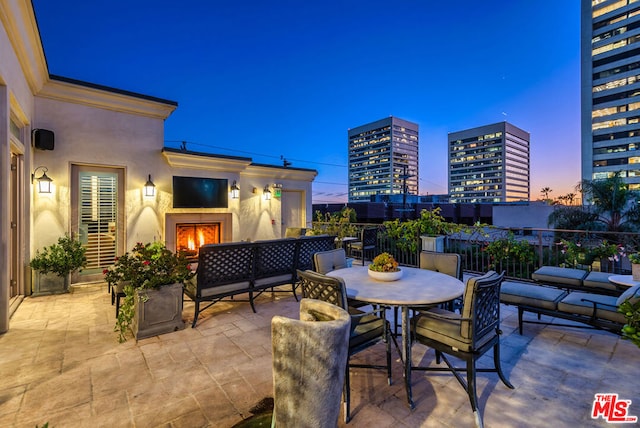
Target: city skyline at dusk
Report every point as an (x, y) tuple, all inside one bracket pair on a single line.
[(289, 79)]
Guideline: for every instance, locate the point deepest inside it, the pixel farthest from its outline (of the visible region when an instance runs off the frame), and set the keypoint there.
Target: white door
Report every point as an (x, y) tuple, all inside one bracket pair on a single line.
[(292, 210)]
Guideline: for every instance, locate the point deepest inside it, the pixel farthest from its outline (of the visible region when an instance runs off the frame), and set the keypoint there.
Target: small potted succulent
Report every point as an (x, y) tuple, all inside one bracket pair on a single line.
[(385, 268), (55, 263)]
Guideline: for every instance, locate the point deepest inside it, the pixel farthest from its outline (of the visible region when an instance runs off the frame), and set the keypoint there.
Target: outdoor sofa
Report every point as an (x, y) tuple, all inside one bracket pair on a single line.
[(570, 294), (229, 269)]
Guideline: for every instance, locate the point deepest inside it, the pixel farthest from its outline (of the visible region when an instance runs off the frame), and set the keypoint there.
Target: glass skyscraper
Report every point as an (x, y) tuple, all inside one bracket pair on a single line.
[(610, 102), (489, 164), (383, 159)]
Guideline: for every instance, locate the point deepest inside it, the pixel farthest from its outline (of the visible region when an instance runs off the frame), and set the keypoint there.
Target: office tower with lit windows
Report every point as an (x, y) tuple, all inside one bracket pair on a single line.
[(489, 164), (610, 116), (383, 159)]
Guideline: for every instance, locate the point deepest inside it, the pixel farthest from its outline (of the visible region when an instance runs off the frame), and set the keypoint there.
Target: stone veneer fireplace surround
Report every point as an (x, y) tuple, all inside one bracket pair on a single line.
[(173, 219)]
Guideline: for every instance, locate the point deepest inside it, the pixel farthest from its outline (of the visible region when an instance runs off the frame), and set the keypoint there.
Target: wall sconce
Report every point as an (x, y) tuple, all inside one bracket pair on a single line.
[(149, 187), (44, 182), (267, 193), (235, 190)]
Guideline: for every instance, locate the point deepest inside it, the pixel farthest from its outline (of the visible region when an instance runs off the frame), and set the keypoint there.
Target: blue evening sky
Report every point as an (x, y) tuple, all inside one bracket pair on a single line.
[(265, 79)]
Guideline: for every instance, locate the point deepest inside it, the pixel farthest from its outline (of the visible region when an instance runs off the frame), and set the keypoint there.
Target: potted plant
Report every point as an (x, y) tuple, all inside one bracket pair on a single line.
[(385, 268), (635, 265), (152, 278), (55, 263), (431, 227)]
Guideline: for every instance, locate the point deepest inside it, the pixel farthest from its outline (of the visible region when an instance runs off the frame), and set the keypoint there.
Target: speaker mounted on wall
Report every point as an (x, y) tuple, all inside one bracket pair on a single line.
[(43, 139)]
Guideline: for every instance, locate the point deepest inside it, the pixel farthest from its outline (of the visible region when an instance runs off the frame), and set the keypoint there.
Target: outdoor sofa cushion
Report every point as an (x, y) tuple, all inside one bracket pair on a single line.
[(581, 303), (191, 288), (632, 293), (599, 280), (558, 275), (518, 293)]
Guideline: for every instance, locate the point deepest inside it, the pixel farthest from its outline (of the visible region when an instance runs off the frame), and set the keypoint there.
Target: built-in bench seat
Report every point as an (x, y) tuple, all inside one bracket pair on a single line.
[(226, 270), (594, 309)]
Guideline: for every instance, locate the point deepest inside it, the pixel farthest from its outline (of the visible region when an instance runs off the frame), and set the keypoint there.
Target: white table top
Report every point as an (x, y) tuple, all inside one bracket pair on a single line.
[(416, 287), (623, 280)]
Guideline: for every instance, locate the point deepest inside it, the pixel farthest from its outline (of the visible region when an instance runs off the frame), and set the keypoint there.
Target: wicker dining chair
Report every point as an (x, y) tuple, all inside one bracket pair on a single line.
[(467, 335), (367, 328)]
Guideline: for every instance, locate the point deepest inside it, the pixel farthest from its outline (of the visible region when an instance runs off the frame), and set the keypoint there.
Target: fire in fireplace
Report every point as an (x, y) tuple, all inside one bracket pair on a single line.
[(191, 236)]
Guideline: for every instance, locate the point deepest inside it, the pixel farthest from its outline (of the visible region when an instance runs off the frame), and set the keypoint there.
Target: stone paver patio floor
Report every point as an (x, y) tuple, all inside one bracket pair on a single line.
[(61, 363)]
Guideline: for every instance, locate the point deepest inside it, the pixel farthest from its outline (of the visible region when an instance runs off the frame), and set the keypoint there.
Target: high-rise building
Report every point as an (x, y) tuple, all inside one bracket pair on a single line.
[(610, 113), (489, 164), (383, 159)]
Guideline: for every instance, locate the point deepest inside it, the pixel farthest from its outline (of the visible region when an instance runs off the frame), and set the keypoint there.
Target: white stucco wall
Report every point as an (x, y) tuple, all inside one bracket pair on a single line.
[(16, 102), (93, 136)]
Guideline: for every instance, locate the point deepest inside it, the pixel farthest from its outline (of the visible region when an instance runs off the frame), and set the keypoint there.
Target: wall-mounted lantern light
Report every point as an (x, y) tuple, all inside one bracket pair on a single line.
[(44, 182), (267, 193), (235, 190), (149, 187)]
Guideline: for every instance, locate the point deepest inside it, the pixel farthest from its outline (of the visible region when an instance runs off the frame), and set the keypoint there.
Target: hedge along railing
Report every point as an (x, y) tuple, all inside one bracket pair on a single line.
[(546, 248), (526, 249)]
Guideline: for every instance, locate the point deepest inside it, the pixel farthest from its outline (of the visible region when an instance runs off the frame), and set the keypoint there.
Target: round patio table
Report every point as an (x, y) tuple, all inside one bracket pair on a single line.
[(626, 280), (416, 287)]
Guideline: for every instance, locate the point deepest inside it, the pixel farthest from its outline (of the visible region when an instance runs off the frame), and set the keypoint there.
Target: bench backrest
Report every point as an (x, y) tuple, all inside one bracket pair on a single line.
[(220, 264), (276, 257)]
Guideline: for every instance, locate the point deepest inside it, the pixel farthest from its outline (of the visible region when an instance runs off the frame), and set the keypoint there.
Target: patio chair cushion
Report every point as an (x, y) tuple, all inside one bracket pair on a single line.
[(448, 263), (558, 275), (633, 294), (446, 331), (519, 293), (364, 328), (327, 261), (599, 280), (580, 303)]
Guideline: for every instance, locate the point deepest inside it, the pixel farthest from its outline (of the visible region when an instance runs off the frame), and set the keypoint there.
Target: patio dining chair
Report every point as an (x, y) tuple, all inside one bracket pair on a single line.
[(327, 261), (367, 328), (447, 263), (366, 246), (467, 335)]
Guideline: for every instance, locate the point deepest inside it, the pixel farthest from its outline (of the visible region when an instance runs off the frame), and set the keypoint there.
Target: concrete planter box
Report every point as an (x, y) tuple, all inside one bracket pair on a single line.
[(433, 243), (160, 313), (49, 283)]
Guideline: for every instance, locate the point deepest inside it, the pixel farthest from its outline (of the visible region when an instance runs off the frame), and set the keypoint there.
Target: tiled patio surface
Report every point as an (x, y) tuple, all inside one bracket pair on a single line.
[(61, 363)]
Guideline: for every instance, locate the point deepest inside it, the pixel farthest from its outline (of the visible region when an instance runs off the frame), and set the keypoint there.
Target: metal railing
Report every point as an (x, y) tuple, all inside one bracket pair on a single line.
[(543, 247)]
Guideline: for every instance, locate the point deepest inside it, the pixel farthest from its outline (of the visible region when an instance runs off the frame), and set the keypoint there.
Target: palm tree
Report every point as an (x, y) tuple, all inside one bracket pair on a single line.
[(545, 191), (570, 197), (615, 205)]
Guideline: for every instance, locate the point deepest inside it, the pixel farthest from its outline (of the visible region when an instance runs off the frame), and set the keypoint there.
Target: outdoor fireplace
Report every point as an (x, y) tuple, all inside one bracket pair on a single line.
[(191, 236), (204, 228)]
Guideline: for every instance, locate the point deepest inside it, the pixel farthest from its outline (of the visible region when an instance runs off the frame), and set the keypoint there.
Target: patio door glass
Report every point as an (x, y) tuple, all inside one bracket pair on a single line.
[(98, 216)]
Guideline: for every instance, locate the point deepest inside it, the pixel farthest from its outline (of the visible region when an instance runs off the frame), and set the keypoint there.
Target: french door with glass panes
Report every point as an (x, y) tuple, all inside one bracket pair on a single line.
[(97, 200)]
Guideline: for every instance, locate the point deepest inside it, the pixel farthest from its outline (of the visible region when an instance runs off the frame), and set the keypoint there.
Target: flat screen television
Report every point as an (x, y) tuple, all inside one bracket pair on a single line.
[(200, 192)]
